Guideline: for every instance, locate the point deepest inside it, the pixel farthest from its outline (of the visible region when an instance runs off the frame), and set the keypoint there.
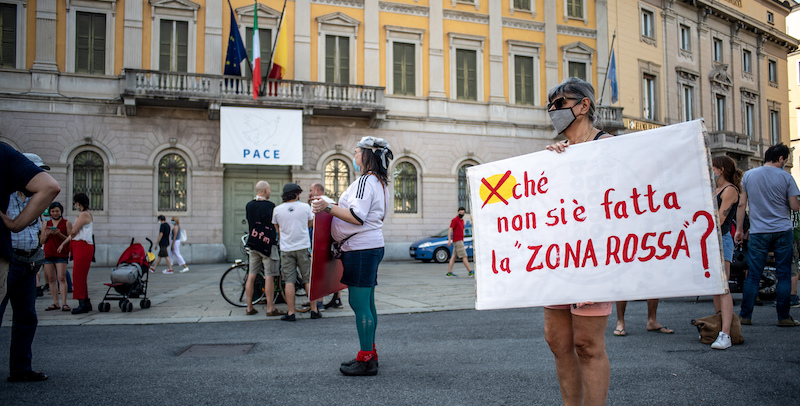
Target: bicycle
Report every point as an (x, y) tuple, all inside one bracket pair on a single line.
[(234, 279)]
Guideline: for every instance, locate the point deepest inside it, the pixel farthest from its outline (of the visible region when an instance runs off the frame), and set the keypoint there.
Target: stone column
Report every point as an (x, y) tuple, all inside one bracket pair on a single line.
[(496, 93), (45, 36), (44, 75), (372, 46), (132, 52), (603, 51), (550, 44), (669, 86), (302, 40), (213, 43), (436, 50)]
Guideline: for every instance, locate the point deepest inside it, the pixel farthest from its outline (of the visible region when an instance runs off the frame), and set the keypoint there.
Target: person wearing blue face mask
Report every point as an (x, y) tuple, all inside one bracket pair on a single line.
[(576, 332)]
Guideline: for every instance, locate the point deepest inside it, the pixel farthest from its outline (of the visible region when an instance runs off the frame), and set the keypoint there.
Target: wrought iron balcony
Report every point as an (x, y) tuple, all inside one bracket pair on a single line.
[(161, 88), (609, 118)]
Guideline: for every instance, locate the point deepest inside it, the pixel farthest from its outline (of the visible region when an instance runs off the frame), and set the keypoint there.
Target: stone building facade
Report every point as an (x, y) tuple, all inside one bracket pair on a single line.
[(122, 100)]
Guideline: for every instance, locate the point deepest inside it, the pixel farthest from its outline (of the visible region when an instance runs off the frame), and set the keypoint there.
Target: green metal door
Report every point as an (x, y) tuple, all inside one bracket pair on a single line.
[(239, 187)]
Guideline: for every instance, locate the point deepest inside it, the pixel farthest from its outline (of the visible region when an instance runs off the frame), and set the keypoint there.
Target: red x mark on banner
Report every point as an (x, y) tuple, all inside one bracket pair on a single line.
[(493, 191)]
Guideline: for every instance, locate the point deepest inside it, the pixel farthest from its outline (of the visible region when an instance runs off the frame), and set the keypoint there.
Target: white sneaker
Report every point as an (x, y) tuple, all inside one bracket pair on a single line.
[(185, 270), (167, 271), (723, 341)]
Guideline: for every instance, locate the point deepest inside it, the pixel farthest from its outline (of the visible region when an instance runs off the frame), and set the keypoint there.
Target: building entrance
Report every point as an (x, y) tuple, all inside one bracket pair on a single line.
[(239, 187)]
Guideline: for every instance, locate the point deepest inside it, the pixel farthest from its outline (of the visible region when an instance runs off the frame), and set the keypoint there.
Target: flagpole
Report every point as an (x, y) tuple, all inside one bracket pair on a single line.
[(274, 44), (605, 79)]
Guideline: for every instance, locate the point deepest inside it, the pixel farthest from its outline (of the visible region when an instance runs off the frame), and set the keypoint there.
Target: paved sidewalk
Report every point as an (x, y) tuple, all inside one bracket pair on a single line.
[(194, 296)]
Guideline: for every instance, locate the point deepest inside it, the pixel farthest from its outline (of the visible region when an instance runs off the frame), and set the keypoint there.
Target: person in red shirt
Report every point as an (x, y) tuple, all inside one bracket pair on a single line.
[(455, 236)]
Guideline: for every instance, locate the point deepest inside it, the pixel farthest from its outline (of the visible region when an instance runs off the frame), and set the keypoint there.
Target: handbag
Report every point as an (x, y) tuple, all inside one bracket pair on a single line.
[(710, 326), (182, 235), (262, 238), (336, 247)]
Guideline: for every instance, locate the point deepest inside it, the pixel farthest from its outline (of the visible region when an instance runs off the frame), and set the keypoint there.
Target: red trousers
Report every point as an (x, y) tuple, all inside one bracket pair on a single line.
[(82, 253)]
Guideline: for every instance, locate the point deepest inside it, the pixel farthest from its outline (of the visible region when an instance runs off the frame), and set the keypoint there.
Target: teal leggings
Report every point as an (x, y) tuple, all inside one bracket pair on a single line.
[(362, 300)]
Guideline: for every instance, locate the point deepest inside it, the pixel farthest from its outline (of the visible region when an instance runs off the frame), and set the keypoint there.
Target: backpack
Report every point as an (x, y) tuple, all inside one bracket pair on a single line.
[(262, 237)]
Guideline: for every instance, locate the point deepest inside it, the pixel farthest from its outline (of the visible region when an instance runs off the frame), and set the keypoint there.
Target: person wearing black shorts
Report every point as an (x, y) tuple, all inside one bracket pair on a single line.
[(163, 245)]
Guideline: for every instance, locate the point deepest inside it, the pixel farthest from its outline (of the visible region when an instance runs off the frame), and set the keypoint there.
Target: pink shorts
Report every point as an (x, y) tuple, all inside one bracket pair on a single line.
[(592, 310)]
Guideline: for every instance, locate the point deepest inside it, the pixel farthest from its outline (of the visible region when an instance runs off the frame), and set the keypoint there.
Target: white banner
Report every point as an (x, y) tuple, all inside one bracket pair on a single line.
[(625, 218), (257, 136)]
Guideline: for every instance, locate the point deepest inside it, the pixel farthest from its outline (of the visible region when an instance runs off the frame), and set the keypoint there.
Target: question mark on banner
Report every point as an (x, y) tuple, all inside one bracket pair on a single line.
[(703, 244)]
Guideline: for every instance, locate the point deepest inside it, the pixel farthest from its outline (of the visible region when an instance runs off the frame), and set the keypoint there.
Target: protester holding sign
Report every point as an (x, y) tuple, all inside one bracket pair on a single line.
[(770, 193), (263, 252), (358, 227), (576, 332), (728, 183)]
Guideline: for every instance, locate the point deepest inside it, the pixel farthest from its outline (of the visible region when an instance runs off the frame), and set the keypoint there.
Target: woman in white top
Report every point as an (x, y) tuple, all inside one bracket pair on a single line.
[(82, 248), (358, 225), (175, 248)]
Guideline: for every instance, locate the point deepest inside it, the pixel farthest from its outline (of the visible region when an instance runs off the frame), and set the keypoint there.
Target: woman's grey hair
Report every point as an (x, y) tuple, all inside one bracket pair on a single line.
[(576, 88)]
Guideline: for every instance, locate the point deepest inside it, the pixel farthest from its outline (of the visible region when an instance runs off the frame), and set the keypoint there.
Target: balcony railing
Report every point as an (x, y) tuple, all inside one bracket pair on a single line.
[(192, 89), (729, 141), (609, 118)]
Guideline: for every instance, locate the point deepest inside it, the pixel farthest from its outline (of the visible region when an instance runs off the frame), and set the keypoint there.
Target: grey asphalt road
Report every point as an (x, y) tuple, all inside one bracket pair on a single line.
[(463, 357)]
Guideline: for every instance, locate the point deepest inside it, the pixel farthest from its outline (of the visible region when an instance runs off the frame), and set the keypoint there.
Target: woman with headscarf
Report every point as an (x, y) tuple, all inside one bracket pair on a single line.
[(576, 332), (358, 226)]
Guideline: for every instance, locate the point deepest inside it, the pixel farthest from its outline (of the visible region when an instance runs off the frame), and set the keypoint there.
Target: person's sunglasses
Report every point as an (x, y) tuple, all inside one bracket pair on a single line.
[(559, 103)]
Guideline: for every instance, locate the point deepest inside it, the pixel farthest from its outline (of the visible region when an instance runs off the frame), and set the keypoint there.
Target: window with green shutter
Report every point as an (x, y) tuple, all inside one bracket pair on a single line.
[(337, 59), (466, 74), (575, 8), (577, 70), (90, 43), (522, 4), (265, 40), (404, 69), (8, 35), (173, 46), (523, 79)]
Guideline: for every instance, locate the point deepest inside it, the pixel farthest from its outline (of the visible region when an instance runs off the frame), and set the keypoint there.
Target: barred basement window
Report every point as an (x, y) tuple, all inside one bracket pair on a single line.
[(87, 177), (337, 177), (172, 183), (463, 195), (405, 188)]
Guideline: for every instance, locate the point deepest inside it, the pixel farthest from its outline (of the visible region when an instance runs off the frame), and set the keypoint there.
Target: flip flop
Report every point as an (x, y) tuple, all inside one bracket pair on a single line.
[(52, 307), (620, 333), (65, 308), (662, 330)]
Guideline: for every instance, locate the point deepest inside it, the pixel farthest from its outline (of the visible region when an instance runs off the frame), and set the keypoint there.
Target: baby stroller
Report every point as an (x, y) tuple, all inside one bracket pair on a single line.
[(129, 278)]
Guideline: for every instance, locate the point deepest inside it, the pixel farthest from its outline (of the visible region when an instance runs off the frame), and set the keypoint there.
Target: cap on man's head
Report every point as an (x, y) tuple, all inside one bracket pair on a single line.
[(36, 160), (291, 187)]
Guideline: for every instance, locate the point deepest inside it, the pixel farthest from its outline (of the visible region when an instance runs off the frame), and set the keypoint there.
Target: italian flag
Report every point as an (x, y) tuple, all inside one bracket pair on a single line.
[(256, 52)]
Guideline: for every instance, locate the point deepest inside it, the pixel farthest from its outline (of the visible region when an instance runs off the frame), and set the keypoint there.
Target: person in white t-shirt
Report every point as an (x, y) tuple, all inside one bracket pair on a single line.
[(358, 226), (292, 220)]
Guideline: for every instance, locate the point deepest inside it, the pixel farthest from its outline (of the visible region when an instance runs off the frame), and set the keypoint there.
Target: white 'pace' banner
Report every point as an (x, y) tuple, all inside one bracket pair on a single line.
[(624, 218), (258, 136)]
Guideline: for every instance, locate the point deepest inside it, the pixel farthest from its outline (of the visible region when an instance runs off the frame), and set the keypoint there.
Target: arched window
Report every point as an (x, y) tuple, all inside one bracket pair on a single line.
[(172, 183), (463, 195), (87, 177), (405, 188), (337, 178)]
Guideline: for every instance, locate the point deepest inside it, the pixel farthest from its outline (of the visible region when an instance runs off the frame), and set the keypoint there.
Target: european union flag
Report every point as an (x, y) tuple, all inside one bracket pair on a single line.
[(612, 78), (237, 53)]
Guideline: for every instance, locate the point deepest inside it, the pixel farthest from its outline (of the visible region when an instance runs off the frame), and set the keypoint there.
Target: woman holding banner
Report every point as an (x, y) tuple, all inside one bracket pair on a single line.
[(576, 332), (358, 227), (728, 183)]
